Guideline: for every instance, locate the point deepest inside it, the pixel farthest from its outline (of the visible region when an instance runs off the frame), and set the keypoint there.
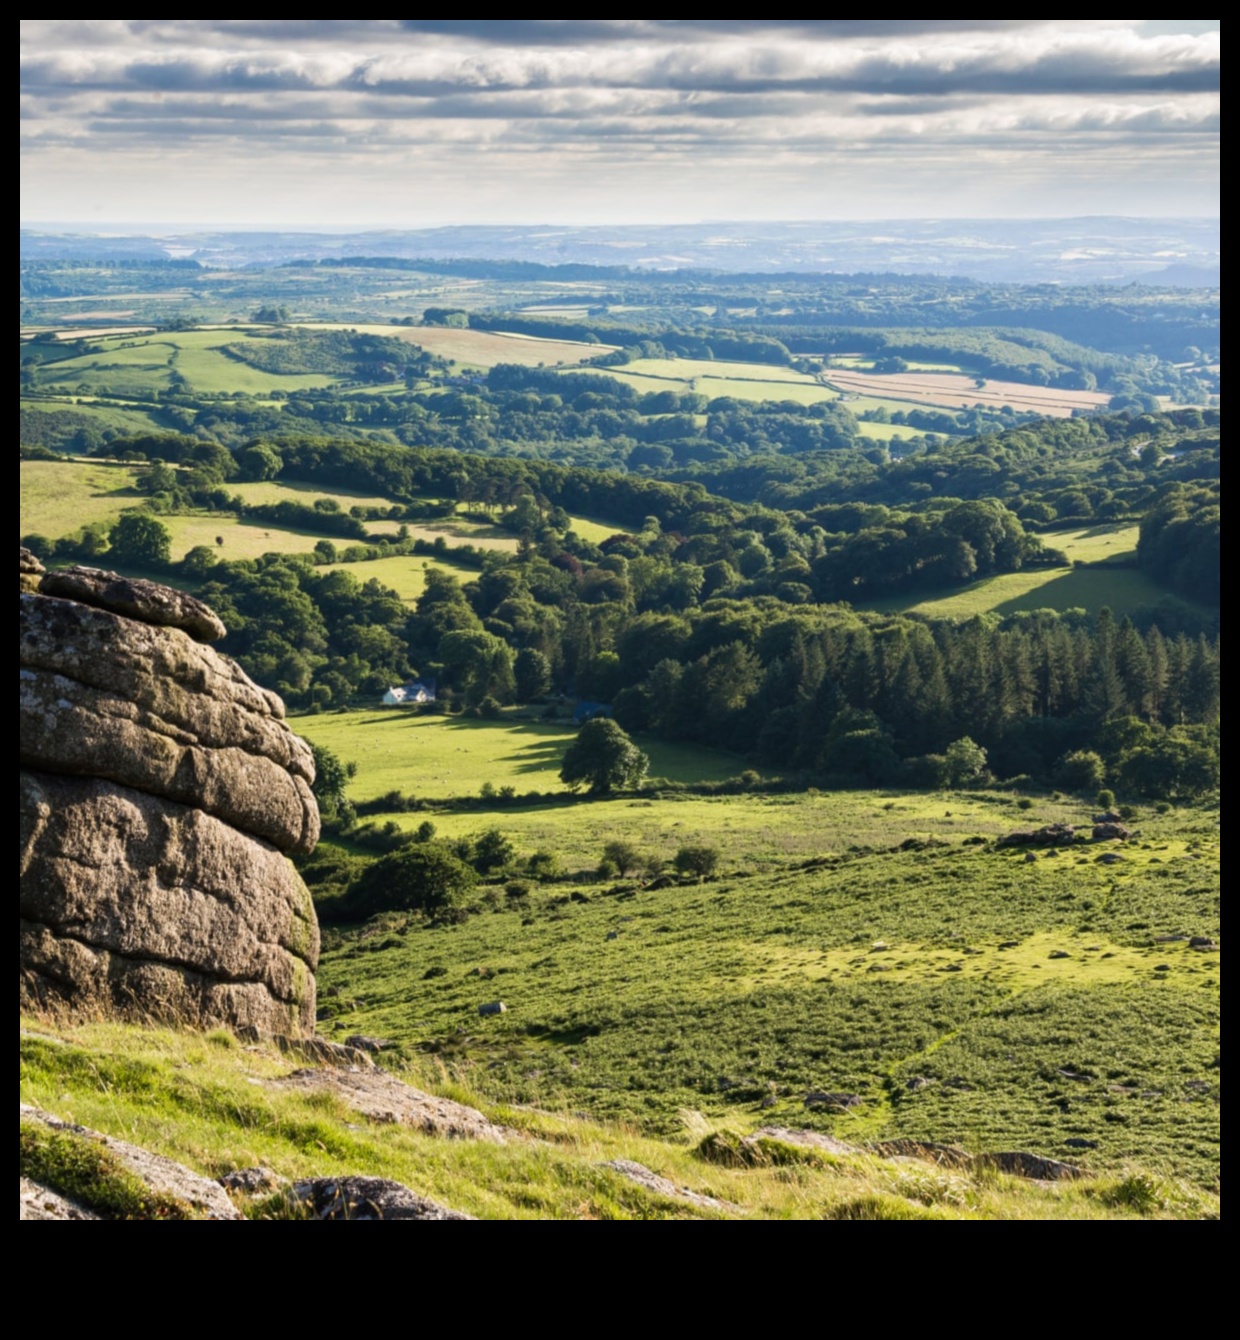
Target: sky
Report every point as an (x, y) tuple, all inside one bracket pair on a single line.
[(422, 123)]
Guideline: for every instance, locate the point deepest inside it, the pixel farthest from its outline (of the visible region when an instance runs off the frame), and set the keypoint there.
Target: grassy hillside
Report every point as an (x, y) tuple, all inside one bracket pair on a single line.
[(741, 381), (208, 1102), (1081, 586), (1123, 589), (940, 989)]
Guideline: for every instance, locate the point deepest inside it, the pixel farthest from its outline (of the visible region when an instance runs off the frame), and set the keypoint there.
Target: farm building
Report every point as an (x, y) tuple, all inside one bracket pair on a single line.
[(403, 695)]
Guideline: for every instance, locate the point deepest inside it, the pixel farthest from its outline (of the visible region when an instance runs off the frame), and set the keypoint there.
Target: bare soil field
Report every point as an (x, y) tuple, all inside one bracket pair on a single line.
[(945, 391)]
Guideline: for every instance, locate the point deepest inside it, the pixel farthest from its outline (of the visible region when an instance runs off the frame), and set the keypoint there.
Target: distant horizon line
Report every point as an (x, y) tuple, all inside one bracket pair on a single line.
[(125, 227)]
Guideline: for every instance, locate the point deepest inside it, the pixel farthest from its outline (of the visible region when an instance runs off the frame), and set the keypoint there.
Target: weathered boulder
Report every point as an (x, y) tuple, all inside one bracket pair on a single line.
[(1049, 835), (69, 727), (160, 788), (149, 602), (375, 1094), (339, 1198), (1111, 832), (135, 904), (189, 687), (662, 1186)]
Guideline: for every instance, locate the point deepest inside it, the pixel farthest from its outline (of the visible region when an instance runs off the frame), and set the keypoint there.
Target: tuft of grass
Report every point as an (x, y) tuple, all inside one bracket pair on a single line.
[(85, 1171), (878, 1206)]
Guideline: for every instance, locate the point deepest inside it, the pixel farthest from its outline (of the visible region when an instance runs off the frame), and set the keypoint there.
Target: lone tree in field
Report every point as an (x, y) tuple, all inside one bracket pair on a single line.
[(603, 757), (418, 877)]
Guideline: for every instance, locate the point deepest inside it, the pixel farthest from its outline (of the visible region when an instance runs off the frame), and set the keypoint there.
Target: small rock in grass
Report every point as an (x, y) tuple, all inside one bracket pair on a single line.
[(363, 1042), (370, 1198), (842, 1102), (252, 1181)]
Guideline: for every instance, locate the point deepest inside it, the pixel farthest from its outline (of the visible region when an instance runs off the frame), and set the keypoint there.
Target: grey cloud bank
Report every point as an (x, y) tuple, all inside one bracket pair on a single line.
[(440, 121)]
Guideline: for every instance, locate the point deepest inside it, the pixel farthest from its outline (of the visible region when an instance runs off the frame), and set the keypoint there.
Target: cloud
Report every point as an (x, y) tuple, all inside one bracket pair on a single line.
[(733, 101)]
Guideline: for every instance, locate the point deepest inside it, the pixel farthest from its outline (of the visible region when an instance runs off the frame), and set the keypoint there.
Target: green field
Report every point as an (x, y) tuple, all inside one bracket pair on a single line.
[(1123, 589), (758, 832), (858, 363), (134, 420), (1108, 542), (741, 381), (595, 531), (280, 490), (56, 498), (957, 993), (450, 756), (886, 432), (405, 573), (142, 365)]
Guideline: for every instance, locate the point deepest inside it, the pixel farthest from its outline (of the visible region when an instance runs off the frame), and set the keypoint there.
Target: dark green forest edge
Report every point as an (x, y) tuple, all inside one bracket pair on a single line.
[(737, 606)]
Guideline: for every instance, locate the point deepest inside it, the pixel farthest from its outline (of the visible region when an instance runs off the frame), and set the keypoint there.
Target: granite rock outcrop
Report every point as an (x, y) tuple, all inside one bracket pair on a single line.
[(161, 793)]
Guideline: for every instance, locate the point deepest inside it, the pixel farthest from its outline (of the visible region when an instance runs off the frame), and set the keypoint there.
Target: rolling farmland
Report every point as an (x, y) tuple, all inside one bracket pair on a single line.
[(946, 391)]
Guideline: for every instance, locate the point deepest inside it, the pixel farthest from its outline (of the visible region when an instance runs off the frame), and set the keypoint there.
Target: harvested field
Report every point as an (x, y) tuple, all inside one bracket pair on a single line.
[(481, 348), (944, 391)]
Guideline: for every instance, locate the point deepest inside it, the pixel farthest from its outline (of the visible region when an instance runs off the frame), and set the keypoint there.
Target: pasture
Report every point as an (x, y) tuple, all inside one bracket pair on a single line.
[(405, 573), (1106, 542), (124, 419), (952, 993), (56, 498), (740, 381), (861, 363), (1123, 589), (396, 749), (757, 832), (141, 365)]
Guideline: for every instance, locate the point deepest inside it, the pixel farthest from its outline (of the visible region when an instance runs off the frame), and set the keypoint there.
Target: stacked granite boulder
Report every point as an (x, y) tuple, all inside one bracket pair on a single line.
[(160, 791)]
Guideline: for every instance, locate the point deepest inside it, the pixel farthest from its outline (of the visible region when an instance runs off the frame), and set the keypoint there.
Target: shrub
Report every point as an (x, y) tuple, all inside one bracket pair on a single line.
[(492, 851), (1082, 771), (423, 877), (544, 865), (624, 856), (699, 861)]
